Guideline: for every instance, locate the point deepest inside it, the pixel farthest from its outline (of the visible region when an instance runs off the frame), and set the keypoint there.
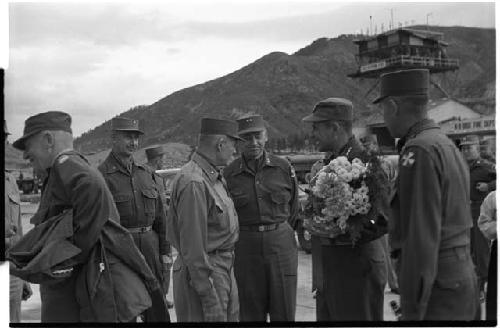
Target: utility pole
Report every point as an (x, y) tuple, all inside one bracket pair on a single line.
[(371, 28), (427, 20)]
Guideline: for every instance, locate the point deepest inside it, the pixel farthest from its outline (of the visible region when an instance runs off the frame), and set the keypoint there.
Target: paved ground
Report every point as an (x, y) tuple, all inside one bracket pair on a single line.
[(305, 300)]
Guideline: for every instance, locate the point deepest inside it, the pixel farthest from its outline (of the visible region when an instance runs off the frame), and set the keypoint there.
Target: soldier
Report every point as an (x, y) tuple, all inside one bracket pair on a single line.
[(70, 183), (354, 277), (487, 149), (19, 289), (203, 226), (482, 181), (431, 220), (264, 190), (138, 198), (155, 160)]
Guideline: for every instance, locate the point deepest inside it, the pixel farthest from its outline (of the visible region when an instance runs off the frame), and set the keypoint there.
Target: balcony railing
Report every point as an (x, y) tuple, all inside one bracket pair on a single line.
[(405, 60)]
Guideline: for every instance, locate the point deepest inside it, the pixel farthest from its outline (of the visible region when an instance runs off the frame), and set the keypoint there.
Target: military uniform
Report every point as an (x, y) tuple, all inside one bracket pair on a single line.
[(431, 221), (202, 225), (138, 196), (13, 232), (354, 277), (480, 171), (266, 253), (72, 183)]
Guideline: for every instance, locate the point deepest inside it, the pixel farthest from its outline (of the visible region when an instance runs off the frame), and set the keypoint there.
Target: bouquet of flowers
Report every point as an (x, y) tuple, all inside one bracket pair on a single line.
[(349, 195)]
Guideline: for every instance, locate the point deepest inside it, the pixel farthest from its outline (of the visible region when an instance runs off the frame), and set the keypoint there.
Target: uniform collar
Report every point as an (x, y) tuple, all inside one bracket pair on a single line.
[(415, 129), (347, 148), (207, 167), (118, 164), (266, 161)]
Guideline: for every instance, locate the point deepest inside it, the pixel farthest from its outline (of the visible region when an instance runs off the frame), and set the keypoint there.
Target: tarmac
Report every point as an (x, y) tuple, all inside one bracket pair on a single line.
[(305, 311)]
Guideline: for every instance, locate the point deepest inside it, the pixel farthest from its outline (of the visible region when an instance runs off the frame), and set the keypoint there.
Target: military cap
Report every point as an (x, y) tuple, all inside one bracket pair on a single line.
[(125, 124), (254, 123), (331, 109), (471, 139), (5, 130), (487, 142), (53, 120), (213, 126), (411, 82), (154, 152)]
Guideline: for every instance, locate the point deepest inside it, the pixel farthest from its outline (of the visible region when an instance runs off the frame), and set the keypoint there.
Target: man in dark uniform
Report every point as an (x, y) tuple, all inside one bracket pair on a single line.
[(19, 289), (138, 197), (482, 182), (265, 194), (155, 160), (354, 277), (203, 226), (487, 149), (70, 183), (431, 220)]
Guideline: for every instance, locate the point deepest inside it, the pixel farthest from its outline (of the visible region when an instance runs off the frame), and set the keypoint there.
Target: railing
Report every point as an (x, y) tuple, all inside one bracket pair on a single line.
[(411, 61)]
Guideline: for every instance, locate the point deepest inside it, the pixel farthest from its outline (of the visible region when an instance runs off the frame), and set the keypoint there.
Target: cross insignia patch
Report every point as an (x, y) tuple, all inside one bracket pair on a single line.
[(408, 159), (63, 159)]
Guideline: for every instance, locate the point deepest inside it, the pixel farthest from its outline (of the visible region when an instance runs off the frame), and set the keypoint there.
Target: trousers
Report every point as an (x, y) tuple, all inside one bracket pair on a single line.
[(266, 273), (354, 280)]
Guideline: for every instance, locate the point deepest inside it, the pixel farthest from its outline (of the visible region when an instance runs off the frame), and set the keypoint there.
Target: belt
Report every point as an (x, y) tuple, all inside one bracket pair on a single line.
[(140, 229), (261, 227)]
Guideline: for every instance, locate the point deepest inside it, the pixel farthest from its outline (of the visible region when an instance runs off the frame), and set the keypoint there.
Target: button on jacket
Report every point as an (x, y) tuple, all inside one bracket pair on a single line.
[(202, 224), (268, 196), (432, 215)]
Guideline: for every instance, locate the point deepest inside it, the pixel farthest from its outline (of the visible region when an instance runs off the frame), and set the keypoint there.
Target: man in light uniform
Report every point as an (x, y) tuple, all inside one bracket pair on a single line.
[(19, 289), (203, 226)]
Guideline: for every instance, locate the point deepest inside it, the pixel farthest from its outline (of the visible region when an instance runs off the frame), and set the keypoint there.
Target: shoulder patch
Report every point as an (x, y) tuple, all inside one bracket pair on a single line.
[(62, 159), (408, 159)]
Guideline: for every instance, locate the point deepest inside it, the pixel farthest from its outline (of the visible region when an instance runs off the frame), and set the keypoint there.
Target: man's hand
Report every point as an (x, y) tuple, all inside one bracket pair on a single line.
[(482, 186), (27, 292)]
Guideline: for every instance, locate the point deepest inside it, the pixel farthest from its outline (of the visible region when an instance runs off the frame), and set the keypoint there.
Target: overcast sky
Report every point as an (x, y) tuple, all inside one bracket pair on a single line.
[(96, 60)]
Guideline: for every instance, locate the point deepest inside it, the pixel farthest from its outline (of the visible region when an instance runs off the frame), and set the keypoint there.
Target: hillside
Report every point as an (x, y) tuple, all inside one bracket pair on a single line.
[(284, 88)]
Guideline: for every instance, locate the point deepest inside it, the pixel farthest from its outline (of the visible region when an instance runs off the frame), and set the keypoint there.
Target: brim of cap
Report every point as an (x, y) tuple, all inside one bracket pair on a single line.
[(235, 137), (379, 99), (21, 142), (129, 130), (314, 118), (254, 129)]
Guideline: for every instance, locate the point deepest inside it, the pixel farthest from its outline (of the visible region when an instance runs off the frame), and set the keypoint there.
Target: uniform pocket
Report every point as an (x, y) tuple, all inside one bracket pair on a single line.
[(280, 202), (240, 199), (149, 197), (124, 205)]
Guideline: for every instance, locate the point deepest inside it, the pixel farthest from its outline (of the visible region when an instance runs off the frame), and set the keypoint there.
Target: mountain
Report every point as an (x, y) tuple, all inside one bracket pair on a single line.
[(284, 88)]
